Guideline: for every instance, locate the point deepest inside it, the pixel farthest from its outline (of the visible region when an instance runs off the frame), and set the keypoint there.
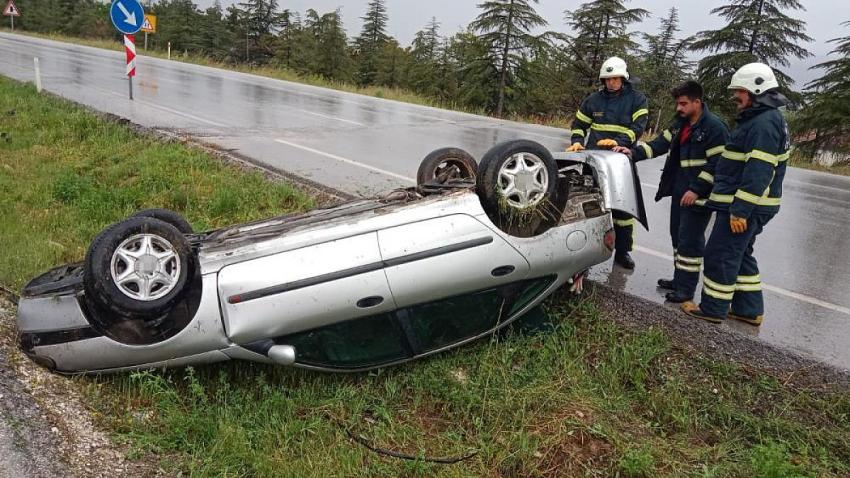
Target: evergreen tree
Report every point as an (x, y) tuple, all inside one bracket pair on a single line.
[(600, 32), (757, 30), (262, 21), (825, 120), (332, 58), (476, 74), (663, 65), (426, 52), (370, 44), (215, 38), (178, 23), (505, 27)]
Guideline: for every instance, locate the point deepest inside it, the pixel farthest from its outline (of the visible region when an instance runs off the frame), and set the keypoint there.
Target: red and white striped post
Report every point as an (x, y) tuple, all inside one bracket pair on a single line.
[(130, 49)]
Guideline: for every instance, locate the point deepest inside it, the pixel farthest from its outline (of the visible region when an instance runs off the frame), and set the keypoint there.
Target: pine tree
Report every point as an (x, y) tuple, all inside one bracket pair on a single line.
[(824, 123), (505, 26), (370, 44), (332, 58), (426, 50), (215, 38), (262, 21), (664, 65), (757, 30), (601, 31)]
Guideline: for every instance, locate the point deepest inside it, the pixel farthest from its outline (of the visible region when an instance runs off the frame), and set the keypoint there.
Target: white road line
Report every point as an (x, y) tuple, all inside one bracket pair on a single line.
[(328, 117), (346, 160), (647, 185), (774, 289), (164, 108)]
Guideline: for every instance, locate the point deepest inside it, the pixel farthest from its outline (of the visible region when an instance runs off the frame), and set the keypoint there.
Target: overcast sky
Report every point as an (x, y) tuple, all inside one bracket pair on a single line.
[(408, 16)]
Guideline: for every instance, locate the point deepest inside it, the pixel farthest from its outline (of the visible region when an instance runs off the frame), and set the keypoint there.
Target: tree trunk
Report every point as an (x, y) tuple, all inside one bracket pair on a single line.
[(503, 77), (755, 33)]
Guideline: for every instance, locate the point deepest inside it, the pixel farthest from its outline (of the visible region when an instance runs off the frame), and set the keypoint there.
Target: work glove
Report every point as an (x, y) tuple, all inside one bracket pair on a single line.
[(738, 224), (575, 147), (606, 143)]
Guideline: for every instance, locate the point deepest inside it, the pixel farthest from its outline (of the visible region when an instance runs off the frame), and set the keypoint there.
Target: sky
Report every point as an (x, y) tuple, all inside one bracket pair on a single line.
[(406, 17)]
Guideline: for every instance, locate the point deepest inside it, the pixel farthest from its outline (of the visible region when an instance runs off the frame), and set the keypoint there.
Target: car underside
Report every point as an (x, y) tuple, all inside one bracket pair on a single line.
[(363, 284)]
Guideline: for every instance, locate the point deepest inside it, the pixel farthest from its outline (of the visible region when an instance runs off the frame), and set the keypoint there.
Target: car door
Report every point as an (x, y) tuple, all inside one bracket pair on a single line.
[(304, 289), (446, 257)]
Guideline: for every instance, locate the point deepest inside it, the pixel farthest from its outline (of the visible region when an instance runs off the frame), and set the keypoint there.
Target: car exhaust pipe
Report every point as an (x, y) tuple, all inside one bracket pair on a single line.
[(279, 354)]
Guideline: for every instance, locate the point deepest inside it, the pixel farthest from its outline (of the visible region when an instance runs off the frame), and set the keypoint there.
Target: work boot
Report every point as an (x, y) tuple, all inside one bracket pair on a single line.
[(693, 310), (666, 284), (755, 321), (624, 260), (675, 298)]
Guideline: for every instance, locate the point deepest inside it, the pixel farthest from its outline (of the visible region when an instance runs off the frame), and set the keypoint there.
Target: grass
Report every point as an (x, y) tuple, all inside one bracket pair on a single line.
[(390, 93), (587, 399), (65, 174), (800, 161)]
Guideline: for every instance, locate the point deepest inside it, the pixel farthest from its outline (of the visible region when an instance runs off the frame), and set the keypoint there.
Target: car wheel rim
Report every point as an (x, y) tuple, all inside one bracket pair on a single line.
[(523, 180), (145, 267)]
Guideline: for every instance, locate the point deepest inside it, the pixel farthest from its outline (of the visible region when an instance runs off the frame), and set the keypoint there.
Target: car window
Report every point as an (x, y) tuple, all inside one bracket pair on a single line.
[(447, 321), (363, 342)]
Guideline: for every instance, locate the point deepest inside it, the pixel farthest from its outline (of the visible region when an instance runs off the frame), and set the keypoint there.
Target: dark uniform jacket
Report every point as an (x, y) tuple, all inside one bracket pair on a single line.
[(689, 166), (748, 178), (620, 116)]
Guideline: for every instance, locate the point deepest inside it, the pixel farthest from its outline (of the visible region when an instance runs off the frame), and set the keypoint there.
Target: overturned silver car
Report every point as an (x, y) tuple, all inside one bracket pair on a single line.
[(364, 284)]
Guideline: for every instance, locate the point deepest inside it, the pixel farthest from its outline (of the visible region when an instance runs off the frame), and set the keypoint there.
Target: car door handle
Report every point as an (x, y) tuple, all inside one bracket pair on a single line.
[(502, 271), (368, 302)]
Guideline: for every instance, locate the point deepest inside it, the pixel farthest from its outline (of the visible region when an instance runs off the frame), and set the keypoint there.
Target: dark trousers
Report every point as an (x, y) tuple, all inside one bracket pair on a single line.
[(731, 274), (624, 231), (691, 247)]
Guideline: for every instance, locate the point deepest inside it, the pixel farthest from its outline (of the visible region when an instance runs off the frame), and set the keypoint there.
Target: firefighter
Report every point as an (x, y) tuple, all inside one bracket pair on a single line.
[(746, 195), (616, 115), (694, 140)]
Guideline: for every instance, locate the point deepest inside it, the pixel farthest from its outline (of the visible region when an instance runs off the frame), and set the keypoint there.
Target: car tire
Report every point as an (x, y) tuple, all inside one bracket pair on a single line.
[(168, 216), (120, 248), (519, 189), (444, 164)]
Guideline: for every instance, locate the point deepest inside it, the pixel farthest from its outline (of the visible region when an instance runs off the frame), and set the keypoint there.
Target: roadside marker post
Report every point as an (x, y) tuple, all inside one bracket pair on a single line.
[(130, 49), (128, 16), (37, 74), (11, 11)]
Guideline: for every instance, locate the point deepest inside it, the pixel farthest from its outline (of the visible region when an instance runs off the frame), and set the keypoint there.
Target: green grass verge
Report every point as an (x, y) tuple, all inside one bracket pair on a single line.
[(65, 174), (799, 161), (587, 399), (397, 94)]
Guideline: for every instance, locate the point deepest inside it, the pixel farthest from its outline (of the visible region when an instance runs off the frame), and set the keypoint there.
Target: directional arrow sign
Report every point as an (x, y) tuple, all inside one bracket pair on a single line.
[(127, 16)]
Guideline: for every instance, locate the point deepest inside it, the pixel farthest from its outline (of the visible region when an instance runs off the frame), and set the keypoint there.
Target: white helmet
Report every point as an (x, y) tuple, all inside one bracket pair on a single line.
[(614, 67), (756, 78)]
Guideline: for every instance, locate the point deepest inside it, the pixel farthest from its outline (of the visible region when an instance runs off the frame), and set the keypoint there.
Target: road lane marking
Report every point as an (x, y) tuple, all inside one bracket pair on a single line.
[(327, 117), (347, 161), (164, 108), (771, 288)]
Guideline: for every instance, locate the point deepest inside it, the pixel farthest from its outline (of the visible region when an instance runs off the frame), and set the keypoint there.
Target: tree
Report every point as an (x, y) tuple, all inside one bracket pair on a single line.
[(331, 56), (215, 38), (825, 120), (370, 44), (426, 52), (505, 27), (601, 31), (757, 30), (262, 21), (663, 64)]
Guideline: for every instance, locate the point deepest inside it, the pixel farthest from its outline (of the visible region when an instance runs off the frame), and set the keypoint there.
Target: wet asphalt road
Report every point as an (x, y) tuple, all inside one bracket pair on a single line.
[(365, 145)]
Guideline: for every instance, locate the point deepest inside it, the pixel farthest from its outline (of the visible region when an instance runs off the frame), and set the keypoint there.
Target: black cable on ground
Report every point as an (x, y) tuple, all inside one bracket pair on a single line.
[(404, 456)]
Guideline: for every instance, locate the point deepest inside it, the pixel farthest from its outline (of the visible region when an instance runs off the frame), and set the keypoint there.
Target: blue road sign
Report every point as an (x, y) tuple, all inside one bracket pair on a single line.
[(127, 16)]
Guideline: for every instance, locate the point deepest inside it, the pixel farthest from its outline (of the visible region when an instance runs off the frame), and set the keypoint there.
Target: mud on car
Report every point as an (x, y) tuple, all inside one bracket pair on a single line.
[(363, 284)]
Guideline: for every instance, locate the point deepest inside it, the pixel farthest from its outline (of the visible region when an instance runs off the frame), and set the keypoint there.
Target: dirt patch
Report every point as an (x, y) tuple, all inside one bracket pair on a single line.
[(576, 453), (81, 448)]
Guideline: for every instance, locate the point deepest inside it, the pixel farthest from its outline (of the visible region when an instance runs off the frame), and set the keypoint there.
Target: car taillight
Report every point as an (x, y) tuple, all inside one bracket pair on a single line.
[(609, 239)]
